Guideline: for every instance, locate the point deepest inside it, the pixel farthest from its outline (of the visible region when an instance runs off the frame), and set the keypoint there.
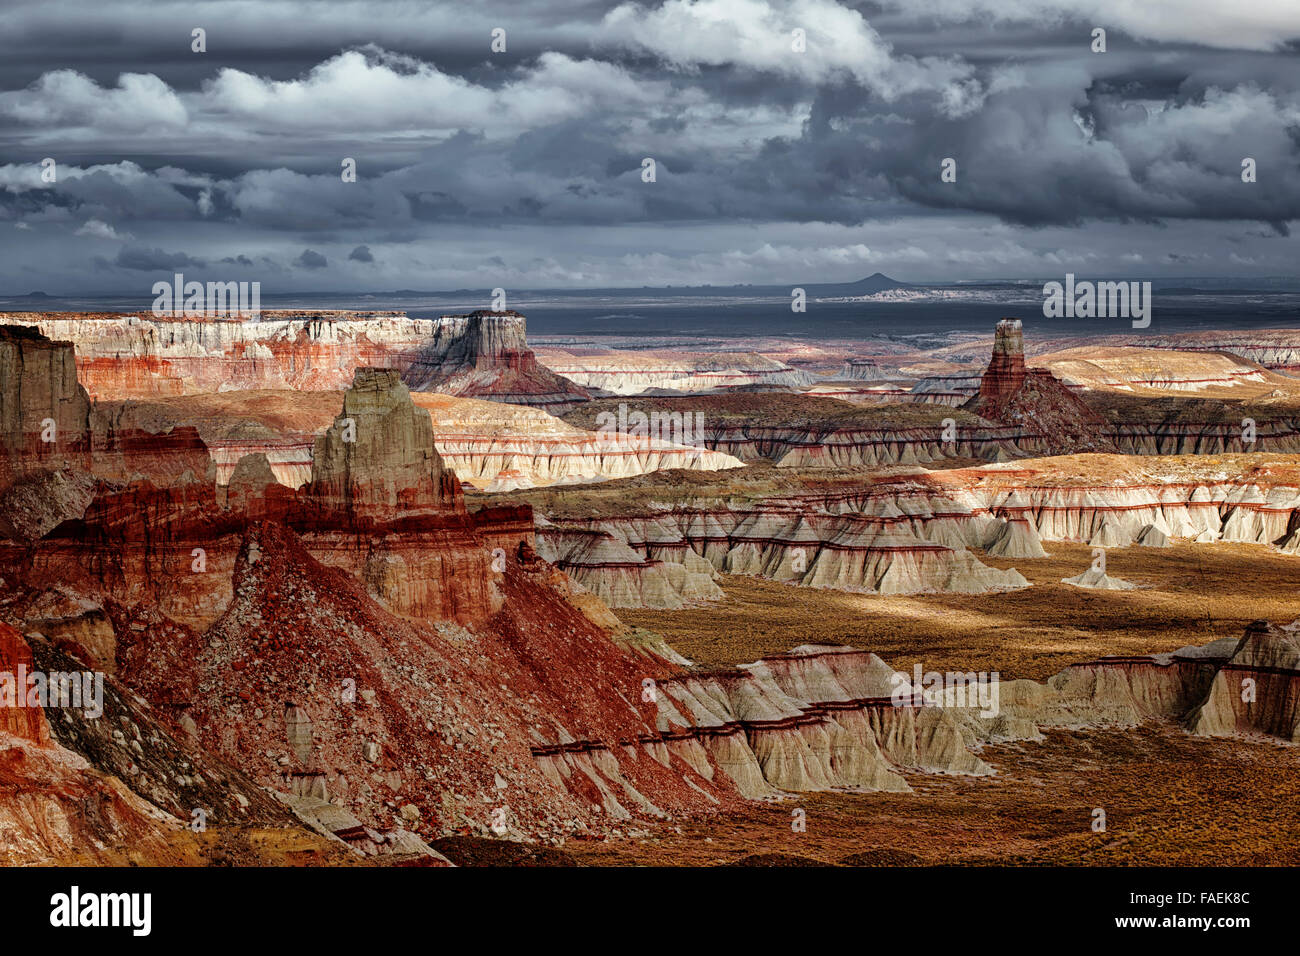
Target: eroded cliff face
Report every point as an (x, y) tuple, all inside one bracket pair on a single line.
[(1257, 689), (55, 445), (44, 415), (822, 717), (482, 354), (912, 531), (628, 560)]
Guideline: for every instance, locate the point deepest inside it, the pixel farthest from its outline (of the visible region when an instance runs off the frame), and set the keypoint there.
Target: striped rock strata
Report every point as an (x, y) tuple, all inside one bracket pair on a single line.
[(1134, 369), (815, 432), (629, 561), (54, 444), (824, 717), (1246, 686), (907, 533), (482, 354), (489, 445), (380, 504)]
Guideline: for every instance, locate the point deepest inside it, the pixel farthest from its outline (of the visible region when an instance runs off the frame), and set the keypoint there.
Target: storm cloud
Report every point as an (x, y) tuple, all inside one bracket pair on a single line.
[(798, 140)]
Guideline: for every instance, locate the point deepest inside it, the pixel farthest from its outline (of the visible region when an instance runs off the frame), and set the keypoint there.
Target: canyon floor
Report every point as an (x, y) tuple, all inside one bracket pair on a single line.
[(1170, 799), (1188, 594)]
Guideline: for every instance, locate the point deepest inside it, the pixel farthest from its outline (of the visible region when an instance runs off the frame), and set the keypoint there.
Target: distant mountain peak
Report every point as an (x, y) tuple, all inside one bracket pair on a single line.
[(879, 278), (877, 282)]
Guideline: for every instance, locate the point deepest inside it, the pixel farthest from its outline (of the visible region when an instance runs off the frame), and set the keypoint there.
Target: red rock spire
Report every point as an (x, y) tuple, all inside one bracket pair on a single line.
[(1006, 371)]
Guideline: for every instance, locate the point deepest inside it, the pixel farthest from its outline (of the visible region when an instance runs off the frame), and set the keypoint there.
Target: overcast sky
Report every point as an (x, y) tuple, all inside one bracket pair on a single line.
[(523, 168)]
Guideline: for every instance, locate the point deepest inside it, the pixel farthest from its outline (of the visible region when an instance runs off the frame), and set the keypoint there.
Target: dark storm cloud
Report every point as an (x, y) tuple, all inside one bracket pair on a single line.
[(142, 259), (243, 145)]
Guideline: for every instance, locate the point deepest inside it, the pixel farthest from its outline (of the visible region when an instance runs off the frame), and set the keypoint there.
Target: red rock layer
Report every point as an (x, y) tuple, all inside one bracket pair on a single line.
[(1010, 394), (54, 443), (1006, 371), (481, 354), (17, 719)]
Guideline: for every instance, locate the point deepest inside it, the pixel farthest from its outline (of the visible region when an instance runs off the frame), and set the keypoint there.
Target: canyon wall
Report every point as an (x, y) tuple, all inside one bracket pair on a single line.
[(482, 354), (54, 445), (908, 533)]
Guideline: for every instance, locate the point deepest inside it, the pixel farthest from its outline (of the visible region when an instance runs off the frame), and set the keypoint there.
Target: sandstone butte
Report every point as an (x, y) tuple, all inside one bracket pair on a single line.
[(1010, 393), (366, 657), (480, 354), (485, 355), (490, 445)]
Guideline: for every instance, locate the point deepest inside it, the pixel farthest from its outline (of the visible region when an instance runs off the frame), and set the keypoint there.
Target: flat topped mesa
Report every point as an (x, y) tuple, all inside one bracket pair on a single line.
[(378, 457), (1006, 371)]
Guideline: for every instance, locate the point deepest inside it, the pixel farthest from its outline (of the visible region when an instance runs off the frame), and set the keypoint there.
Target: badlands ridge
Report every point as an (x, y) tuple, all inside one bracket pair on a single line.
[(259, 534)]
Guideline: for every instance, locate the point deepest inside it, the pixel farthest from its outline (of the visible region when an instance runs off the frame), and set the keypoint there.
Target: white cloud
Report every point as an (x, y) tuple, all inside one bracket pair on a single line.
[(373, 90), (65, 98), (758, 35), (98, 229)]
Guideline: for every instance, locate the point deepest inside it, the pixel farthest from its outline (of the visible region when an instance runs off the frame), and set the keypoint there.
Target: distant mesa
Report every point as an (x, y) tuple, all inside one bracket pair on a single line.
[(877, 282), (480, 354)]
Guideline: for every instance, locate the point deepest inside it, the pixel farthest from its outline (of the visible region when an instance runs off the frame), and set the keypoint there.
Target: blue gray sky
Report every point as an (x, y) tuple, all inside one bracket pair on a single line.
[(523, 168)]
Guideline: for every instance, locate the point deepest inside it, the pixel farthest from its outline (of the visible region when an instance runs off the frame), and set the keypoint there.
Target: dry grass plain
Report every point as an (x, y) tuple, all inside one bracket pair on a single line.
[(1190, 594), (1170, 799)]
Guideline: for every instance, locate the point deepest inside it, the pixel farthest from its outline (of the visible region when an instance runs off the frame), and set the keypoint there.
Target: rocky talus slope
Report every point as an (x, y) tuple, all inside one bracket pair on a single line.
[(54, 805)]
